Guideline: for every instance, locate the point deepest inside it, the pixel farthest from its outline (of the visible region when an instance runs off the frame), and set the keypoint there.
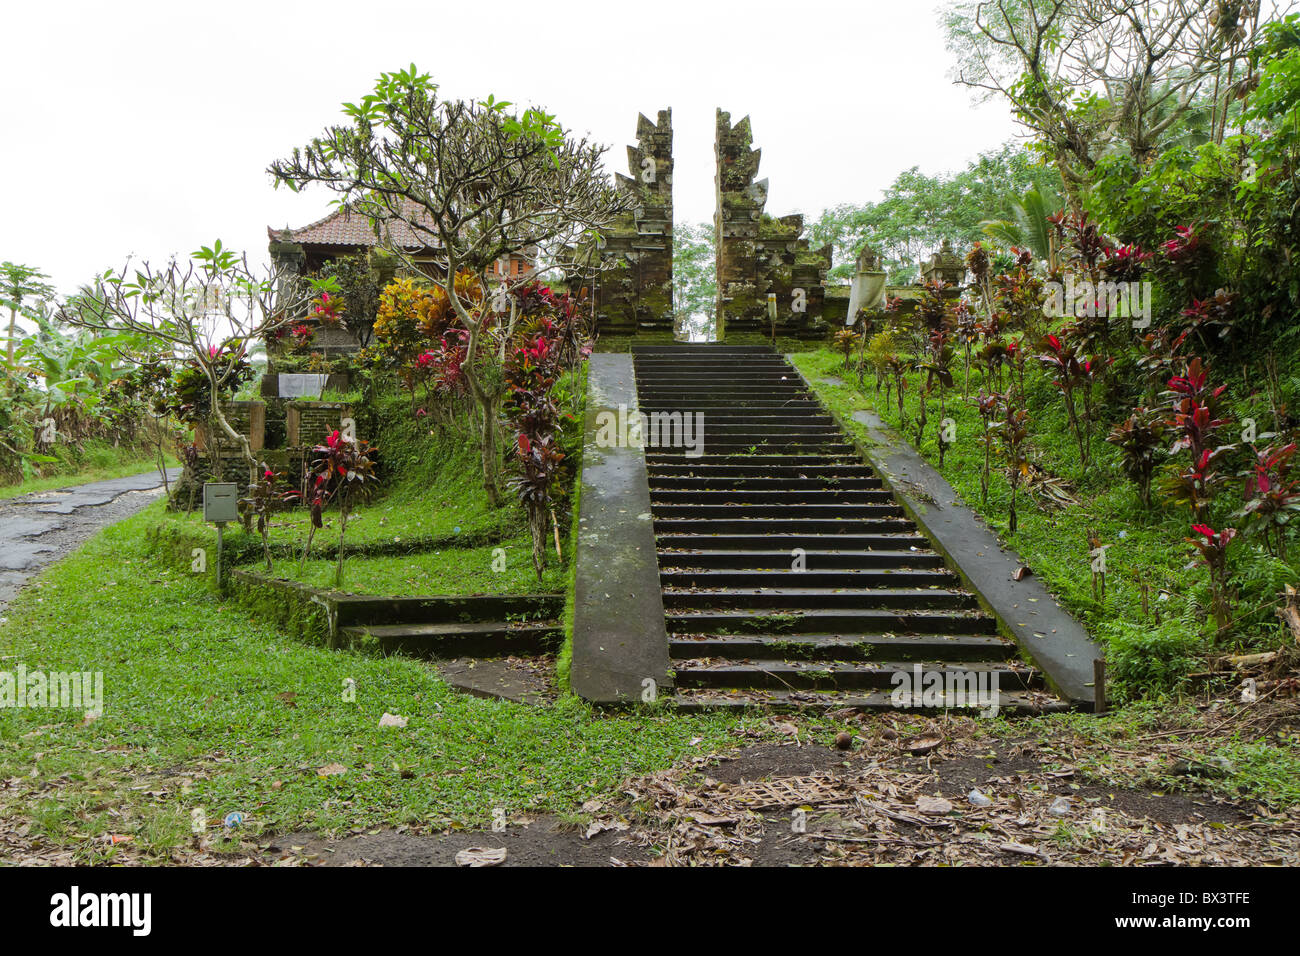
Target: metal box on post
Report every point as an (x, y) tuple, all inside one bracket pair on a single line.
[(220, 501), (220, 505)]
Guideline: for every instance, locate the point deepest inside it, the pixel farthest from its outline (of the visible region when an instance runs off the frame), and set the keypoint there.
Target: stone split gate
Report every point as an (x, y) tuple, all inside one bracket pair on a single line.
[(767, 273)]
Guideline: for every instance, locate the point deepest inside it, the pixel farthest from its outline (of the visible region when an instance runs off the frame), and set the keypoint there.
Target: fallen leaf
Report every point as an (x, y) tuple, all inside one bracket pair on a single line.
[(920, 746), (481, 856), (935, 806)]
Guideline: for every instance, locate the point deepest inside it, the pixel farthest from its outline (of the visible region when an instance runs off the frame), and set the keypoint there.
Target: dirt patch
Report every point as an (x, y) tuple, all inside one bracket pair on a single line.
[(797, 804), (540, 841)]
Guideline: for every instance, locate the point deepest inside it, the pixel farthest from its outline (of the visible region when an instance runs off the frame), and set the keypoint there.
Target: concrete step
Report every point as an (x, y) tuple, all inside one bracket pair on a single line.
[(451, 640), (938, 621), (675, 463), (782, 526), (794, 407), (834, 511), (749, 426), (758, 447), (731, 577), (735, 418), (678, 396), (812, 598), (699, 349), (823, 496), (758, 541), (1022, 703), (762, 475), (443, 609), (843, 647), (730, 560), (746, 487), (837, 675)]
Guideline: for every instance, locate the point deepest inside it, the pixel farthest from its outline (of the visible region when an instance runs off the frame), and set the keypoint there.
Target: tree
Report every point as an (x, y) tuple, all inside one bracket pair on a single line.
[(208, 313), (1091, 76), (1028, 226), (470, 179), (695, 276), (359, 285), (19, 283), (919, 211)]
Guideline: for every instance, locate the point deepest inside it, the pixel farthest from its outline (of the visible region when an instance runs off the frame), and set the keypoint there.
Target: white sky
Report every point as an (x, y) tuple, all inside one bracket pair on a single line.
[(145, 128)]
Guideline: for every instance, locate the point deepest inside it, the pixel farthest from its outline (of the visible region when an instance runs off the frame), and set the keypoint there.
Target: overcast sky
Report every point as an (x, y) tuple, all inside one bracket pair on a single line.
[(145, 128)]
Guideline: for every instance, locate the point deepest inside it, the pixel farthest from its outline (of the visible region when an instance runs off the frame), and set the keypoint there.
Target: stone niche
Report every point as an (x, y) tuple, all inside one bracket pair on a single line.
[(759, 256), (247, 418), (635, 290), (310, 423)]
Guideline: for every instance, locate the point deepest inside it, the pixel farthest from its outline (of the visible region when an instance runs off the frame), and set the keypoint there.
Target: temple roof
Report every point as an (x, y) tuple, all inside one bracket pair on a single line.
[(347, 227)]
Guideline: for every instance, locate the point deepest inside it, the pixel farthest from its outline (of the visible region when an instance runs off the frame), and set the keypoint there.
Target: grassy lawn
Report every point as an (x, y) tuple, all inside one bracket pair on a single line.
[(410, 516), (446, 571), (207, 709)]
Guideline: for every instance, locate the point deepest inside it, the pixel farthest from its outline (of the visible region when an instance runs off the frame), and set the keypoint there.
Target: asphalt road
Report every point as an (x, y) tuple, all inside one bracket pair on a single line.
[(39, 528)]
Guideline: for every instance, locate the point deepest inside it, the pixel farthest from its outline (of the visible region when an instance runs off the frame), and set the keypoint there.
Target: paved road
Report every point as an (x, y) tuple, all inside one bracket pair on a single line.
[(39, 528)]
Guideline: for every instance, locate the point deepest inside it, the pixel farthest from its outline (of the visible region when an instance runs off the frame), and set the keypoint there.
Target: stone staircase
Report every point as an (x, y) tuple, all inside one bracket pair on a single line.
[(791, 577), (437, 628)]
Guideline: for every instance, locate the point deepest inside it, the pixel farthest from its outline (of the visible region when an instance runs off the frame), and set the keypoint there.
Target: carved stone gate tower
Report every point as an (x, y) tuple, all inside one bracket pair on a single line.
[(764, 264), (635, 291)]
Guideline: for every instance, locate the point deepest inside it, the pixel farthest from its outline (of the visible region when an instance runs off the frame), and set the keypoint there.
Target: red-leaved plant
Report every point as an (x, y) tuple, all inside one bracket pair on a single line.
[(1196, 424), (263, 497), (345, 468), (1272, 496), (1212, 547)]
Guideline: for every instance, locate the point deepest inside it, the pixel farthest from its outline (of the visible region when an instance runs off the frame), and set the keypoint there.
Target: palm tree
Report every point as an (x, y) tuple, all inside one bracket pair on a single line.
[(1027, 228)]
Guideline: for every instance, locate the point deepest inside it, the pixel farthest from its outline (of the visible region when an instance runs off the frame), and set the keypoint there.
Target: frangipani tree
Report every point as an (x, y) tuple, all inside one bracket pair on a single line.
[(208, 313), (471, 179)]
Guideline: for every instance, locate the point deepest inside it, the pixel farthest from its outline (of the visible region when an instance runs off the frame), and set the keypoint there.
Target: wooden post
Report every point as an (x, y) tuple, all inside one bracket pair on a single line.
[(1099, 686)]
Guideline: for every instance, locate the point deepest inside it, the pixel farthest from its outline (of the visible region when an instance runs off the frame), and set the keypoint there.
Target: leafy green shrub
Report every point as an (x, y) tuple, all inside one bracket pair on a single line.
[(1150, 659)]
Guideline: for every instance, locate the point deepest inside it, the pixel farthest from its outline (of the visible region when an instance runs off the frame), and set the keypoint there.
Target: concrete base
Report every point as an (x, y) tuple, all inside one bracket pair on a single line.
[(619, 637)]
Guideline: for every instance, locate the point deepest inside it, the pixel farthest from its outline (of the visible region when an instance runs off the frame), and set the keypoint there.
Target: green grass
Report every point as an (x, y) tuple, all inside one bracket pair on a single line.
[(407, 516), (194, 718), (445, 571), (96, 461), (1146, 546)]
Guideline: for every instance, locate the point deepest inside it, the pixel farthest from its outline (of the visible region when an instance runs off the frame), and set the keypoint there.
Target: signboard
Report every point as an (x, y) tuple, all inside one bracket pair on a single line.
[(220, 501), (298, 385)]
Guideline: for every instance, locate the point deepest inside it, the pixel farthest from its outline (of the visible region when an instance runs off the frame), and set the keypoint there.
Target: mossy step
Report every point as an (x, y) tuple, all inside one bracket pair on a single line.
[(820, 621), (480, 639), (803, 599), (844, 647), (1017, 703), (732, 560), (831, 675)]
